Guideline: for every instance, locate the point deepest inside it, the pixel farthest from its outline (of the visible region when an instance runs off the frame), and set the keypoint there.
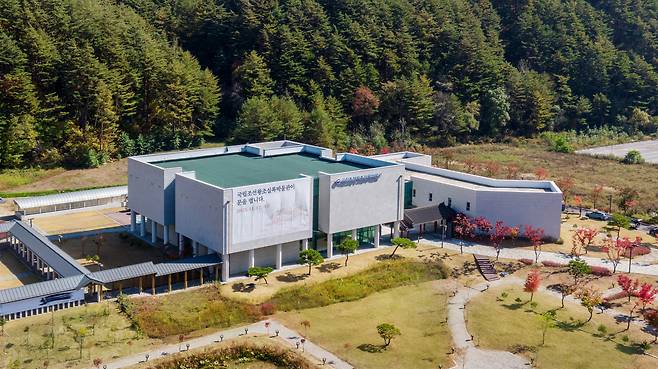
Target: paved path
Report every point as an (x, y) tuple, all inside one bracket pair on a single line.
[(474, 248), (468, 356), (286, 335)]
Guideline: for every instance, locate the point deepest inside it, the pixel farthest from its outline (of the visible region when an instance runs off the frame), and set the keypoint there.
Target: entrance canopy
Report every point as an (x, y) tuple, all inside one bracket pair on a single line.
[(428, 214)]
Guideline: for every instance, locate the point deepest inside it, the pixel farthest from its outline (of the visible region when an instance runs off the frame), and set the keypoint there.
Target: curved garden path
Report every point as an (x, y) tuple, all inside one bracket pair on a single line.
[(467, 355)]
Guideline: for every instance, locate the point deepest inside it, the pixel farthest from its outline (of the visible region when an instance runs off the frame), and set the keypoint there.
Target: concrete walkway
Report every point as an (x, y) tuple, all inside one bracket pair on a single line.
[(286, 335), (467, 355), (474, 248)]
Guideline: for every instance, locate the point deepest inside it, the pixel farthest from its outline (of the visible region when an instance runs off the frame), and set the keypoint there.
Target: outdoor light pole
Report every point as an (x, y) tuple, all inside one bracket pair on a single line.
[(443, 231)]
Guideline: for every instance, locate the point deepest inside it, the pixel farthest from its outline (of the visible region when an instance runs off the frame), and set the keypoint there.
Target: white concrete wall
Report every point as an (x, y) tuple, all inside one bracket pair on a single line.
[(200, 211), (360, 205), (441, 193), (151, 190)]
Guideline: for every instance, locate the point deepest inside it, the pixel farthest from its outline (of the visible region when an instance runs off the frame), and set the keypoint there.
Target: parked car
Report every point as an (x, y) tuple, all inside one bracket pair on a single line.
[(653, 231), (598, 215)]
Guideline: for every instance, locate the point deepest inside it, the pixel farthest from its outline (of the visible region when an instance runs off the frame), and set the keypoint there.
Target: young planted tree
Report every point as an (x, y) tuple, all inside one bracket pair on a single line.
[(387, 332), (629, 285), (259, 273), (547, 320), (310, 257), (405, 243), (614, 250), (644, 295), (513, 233), (620, 221), (566, 185), (498, 236), (577, 269), (629, 249), (590, 298), (565, 289), (347, 247), (483, 226), (595, 194), (463, 228), (582, 239), (536, 238), (532, 282)]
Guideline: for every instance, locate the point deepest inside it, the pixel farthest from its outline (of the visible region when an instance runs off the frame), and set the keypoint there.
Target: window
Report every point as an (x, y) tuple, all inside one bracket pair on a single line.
[(449, 202), (430, 196), (413, 192), (468, 206)]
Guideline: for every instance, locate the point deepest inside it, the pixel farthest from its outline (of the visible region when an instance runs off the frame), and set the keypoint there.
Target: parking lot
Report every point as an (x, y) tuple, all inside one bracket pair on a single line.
[(648, 150)]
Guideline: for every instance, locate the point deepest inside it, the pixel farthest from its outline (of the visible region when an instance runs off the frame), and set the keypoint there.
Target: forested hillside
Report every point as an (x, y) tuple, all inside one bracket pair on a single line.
[(87, 80)]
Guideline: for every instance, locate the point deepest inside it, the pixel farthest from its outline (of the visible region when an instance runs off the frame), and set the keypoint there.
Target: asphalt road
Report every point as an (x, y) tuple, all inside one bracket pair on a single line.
[(648, 150)]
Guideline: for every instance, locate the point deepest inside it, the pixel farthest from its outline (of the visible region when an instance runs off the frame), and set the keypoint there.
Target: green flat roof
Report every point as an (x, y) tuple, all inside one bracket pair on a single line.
[(241, 169)]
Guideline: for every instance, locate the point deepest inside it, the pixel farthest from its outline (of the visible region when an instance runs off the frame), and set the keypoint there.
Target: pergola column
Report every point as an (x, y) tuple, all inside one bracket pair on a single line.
[(279, 256), (153, 284), (330, 245), (165, 234), (396, 229), (133, 221), (201, 276), (169, 281)]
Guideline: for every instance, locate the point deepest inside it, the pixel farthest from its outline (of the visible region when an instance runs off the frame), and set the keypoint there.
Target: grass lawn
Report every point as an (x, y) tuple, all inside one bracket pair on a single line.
[(506, 324), (198, 311), (587, 171), (348, 329), (384, 275), (253, 352), (108, 335)]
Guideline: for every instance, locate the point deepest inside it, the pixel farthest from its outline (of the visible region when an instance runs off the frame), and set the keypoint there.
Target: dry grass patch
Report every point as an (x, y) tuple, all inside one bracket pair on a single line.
[(587, 171), (509, 322), (51, 338), (348, 329)]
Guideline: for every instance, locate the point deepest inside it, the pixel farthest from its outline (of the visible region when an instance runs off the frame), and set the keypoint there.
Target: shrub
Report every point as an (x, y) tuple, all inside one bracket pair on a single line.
[(552, 264), (637, 251), (601, 271), (633, 157), (527, 261), (267, 308)]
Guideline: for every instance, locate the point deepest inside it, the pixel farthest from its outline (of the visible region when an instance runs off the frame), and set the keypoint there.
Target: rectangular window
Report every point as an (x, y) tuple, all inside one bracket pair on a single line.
[(430, 196), (468, 206)]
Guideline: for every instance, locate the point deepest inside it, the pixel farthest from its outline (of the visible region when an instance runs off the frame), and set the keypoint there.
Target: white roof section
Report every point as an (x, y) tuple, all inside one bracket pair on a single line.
[(70, 197), (410, 174)]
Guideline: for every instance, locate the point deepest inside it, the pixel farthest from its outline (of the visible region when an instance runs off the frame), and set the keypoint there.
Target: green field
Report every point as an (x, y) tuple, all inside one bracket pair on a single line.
[(506, 324)]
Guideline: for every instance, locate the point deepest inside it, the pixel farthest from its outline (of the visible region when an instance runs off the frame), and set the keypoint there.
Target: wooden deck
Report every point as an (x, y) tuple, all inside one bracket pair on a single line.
[(486, 268)]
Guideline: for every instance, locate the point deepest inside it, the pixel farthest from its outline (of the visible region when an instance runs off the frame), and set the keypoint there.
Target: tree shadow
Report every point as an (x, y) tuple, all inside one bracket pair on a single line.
[(385, 257), (289, 277), (515, 306), (632, 349), (369, 347), (570, 326), (328, 267), (244, 287)]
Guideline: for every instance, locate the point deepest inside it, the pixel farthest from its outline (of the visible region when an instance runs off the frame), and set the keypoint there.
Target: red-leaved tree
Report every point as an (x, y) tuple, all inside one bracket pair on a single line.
[(536, 238), (532, 283), (630, 247), (582, 239), (498, 236), (483, 226), (629, 285), (365, 103), (614, 250), (463, 228), (594, 195), (644, 294)]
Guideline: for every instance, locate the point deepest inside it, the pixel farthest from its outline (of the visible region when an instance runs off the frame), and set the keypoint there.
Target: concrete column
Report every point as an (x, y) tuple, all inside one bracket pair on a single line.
[(195, 248), (378, 230), (305, 244), (154, 231), (396, 229), (252, 258), (354, 234), (330, 245), (180, 244), (142, 226), (133, 221), (225, 267), (279, 256), (165, 234)]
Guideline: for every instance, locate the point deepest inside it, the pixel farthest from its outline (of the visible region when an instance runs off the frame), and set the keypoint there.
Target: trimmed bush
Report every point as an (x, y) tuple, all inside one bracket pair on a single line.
[(601, 271), (552, 264), (637, 251)]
